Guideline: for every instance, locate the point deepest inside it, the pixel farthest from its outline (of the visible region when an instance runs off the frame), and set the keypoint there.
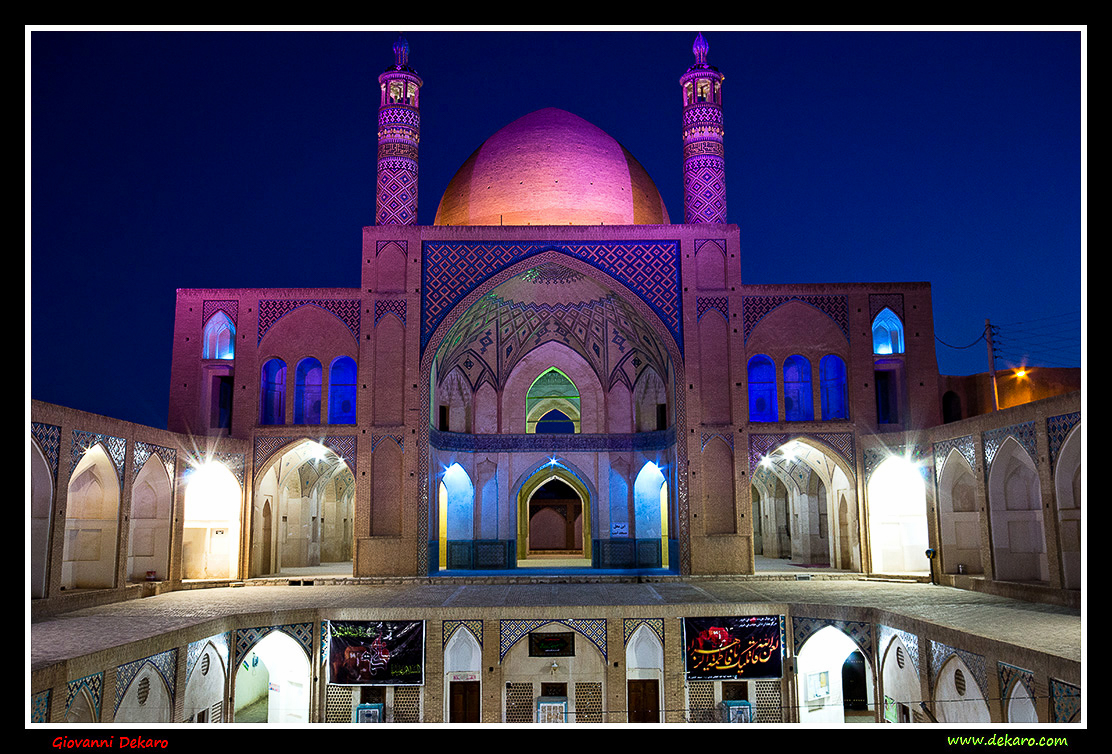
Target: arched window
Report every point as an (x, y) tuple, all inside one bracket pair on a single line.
[(762, 390), (888, 333), (552, 404), (832, 384), (272, 404), (219, 338), (799, 406), (306, 404), (555, 422), (341, 391)]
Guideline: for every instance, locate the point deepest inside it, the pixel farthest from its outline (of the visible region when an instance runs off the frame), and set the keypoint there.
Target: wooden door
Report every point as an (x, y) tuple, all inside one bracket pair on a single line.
[(644, 701), (463, 702)]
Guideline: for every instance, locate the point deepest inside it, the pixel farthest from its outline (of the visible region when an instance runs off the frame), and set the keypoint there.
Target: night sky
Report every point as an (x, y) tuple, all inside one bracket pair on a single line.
[(159, 160)]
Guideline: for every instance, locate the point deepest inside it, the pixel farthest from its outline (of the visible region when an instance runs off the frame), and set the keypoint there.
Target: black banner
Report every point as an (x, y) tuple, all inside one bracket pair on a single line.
[(376, 653), (734, 648)]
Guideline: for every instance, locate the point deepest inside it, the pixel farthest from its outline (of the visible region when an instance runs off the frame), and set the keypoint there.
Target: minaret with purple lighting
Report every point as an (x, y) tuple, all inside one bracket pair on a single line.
[(704, 164), (399, 131)]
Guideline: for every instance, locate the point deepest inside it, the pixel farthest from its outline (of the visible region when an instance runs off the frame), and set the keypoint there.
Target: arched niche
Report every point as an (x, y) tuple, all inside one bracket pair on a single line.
[(92, 513)]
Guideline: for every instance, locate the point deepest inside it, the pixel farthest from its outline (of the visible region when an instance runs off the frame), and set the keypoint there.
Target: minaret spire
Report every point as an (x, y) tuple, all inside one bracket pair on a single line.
[(399, 132), (704, 165)]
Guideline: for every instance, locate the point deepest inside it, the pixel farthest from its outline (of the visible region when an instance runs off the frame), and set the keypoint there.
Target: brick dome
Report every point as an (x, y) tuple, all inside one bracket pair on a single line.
[(551, 168)]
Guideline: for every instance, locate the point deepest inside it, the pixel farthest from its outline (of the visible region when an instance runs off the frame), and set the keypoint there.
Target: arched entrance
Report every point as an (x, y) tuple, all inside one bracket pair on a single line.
[(550, 356), (210, 540), (303, 513), (272, 682), (554, 519), (898, 518), (805, 504), (835, 682)]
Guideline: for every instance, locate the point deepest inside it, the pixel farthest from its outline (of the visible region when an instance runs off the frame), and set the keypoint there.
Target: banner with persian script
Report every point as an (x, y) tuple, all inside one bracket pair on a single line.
[(734, 648), (376, 653)]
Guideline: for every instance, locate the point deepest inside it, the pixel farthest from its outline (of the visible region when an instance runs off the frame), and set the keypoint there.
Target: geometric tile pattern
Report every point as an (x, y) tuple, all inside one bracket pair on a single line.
[(720, 304), (166, 663), (40, 707), (756, 308), (115, 447), (1011, 676), (1057, 429), (910, 641), (451, 270), (704, 189), (726, 437), (144, 450), (881, 301), (208, 308), (1065, 702), (861, 633), (195, 649), (94, 684), (491, 337), (513, 630), (1023, 433), (49, 439), (376, 438), (451, 626), (940, 653), (395, 306), (963, 445), (630, 625), (345, 310), (245, 638)]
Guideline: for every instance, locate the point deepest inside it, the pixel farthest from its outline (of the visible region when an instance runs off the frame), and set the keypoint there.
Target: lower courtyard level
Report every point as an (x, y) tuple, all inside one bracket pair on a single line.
[(772, 648)]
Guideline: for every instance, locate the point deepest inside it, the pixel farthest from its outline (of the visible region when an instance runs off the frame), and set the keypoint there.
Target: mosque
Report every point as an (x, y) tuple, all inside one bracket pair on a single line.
[(556, 381)]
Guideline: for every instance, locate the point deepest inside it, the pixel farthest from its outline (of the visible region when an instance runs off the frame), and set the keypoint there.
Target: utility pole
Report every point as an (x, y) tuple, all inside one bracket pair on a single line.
[(992, 365)]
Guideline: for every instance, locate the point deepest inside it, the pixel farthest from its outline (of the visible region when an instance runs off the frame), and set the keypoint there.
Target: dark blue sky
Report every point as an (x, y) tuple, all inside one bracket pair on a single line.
[(164, 160)]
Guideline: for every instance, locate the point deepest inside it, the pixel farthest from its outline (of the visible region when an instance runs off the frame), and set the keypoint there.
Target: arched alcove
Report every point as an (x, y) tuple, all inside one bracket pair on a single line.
[(92, 512), (272, 682)]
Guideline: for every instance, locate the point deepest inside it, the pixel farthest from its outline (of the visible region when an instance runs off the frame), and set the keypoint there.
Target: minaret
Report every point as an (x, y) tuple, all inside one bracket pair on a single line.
[(399, 131), (704, 164)]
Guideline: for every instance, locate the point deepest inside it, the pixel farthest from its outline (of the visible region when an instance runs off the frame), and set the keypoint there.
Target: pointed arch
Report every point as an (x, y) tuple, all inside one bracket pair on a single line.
[(42, 516), (147, 698), (959, 518), (826, 690), (899, 682), (149, 537), (1015, 515), (1067, 493), (888, 333), (205, 687), (552, 404), (219, 337), (274, 676), (957, 696), (92, 523)]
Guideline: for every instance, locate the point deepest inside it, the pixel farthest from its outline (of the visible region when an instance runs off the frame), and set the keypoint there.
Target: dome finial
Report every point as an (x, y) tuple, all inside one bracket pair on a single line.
[(401, 52), (700, 48)]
